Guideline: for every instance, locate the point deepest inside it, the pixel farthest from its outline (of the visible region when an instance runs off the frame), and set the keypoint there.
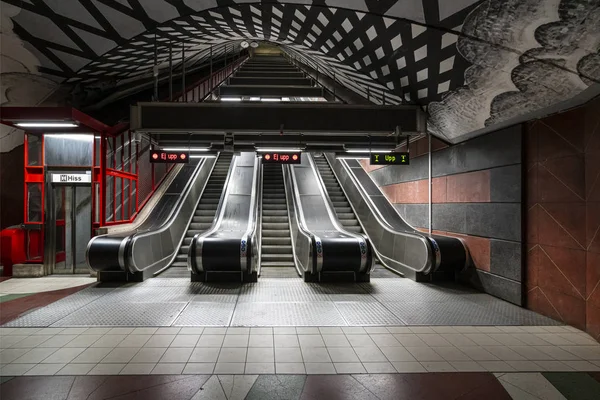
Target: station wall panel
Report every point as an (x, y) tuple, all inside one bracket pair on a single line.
[(476, 195), (563, 217)]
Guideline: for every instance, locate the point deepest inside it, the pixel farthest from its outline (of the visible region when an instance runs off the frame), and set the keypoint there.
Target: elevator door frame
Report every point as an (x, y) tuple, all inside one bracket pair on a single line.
[(50, 237)]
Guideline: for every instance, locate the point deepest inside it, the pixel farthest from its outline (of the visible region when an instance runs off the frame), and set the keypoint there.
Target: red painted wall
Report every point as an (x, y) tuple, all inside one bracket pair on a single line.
[(563, 217)]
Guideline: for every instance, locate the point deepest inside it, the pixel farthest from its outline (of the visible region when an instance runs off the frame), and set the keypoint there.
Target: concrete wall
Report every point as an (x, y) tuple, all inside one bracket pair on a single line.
[(563, 217), (476, 196)]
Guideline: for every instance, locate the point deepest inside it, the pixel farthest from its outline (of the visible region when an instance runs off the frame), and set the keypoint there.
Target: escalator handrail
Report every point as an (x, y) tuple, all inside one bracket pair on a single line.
[(259, 220), (191, 261), (289, 182), (365, 263), (251, 232), (432, 261)]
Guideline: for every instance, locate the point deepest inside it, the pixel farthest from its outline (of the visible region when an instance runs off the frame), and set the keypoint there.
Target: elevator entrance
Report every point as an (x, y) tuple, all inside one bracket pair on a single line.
[(69, 222)]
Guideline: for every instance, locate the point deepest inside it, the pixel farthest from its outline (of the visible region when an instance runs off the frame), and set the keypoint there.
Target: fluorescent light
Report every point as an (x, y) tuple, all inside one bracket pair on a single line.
[(186, 149), (270, 99), (367, 151), (276, 149), (351, 157), (231, 99), (71, 136), (203, 156), (46, 124), (254, 99)]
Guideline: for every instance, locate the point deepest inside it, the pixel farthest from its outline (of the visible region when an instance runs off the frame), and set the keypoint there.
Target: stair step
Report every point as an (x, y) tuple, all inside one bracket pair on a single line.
[(179, 264), (275, 264), (277, 257), (201, 226), (342, 216), (276, 233), (341, 204), (339, 210), (276, 249), (205, 219), (184, 249), (276, 240), (272, 219), (274, 206), (349, 222), (275, 225), (273, 213), (205, 212), (355, 229)]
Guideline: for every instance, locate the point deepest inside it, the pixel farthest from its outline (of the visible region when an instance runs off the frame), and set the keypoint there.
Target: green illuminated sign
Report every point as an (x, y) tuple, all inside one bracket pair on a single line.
[(397, 158)]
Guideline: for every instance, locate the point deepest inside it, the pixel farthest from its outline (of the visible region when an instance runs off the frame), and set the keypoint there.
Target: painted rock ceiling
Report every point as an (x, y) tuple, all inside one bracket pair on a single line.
[(474, 64)]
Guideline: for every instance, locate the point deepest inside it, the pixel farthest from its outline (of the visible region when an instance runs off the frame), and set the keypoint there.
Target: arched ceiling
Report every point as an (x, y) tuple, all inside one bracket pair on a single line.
[(475, 64)]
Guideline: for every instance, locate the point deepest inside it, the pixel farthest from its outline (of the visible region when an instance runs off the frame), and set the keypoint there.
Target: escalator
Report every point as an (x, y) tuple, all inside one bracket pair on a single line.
[(338, 198), (344, 210), (203, 216), (277, 258)]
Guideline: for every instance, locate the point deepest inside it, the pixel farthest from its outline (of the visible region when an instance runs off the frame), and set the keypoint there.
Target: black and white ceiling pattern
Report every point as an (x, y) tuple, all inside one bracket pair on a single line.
[(473, 62)]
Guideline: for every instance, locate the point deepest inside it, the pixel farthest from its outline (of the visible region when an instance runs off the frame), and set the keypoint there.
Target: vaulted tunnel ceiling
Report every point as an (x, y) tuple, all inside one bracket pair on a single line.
[(474, 64)]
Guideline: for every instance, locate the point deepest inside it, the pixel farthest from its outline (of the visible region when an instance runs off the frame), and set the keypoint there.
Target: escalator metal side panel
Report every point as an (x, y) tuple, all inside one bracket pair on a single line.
[(230, 246), (107, 252), (398, 245), (153, 251), (303, 242), (337, 251)]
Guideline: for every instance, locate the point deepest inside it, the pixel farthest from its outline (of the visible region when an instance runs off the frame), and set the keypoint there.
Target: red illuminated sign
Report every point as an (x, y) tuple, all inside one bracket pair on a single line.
[(282, 158), (160, 156)]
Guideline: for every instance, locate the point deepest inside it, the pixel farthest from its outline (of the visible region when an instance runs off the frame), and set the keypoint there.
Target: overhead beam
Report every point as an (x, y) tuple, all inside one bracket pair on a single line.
[(270, 90), (277, 117)]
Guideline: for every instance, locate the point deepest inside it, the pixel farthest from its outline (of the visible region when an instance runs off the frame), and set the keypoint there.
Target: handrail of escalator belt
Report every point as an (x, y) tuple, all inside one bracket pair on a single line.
[(251, 234), (316, 245), (299, 224), (128, 259), (259, 220), (432, 261), (366, 263), (192, 259), (124, 239)]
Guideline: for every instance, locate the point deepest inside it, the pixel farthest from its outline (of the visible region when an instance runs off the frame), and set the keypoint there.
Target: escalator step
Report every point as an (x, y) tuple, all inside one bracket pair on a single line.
[(180, 264), (276, 240), (270, 264), (272, 213), (349, 222), (275, 219), (205, 219), (201, 226), (275, 225), (276, 249), (276, 233), (277, 257)]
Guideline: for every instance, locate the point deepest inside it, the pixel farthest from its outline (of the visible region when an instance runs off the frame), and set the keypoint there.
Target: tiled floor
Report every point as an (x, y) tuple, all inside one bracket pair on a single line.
[(294, 350), (434, 386), (45, 284)]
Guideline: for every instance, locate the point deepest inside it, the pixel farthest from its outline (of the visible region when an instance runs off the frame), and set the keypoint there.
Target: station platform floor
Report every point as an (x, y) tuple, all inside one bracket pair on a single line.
[(170, 326)]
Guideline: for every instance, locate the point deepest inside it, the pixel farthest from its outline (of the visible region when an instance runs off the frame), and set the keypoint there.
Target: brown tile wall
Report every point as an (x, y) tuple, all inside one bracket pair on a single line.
[(469, 187), (563, 217)]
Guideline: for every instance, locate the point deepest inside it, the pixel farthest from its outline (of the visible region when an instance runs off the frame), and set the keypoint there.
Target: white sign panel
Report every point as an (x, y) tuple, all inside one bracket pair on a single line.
[(85, 177)]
